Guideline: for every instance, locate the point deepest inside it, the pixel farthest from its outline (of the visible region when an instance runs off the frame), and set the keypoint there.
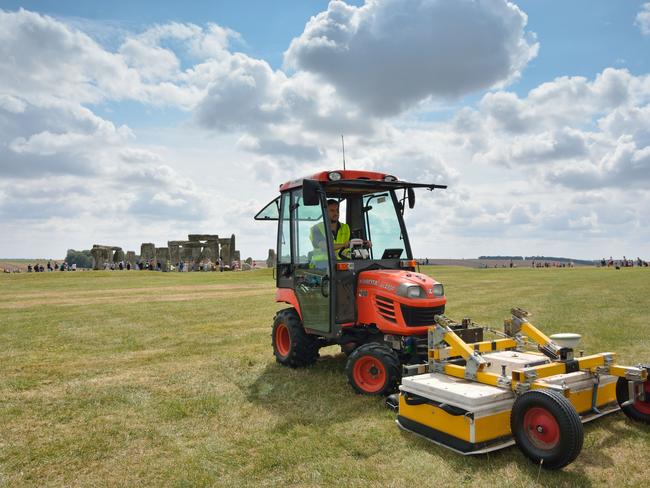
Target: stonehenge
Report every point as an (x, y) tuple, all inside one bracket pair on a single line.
[(199, 251)]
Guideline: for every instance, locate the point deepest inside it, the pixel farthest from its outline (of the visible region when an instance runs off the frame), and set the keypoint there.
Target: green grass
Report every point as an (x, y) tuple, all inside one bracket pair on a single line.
[(157, 379)]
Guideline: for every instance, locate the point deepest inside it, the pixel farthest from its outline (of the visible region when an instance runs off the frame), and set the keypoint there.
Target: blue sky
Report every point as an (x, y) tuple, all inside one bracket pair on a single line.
[(130, 112)]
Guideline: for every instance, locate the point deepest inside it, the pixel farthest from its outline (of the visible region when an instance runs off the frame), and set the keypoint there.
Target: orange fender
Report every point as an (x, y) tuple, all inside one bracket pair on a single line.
[(287, 295)]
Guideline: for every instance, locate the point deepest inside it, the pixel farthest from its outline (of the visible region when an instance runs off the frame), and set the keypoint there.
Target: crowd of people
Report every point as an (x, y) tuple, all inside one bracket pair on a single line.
[(623, 263), (39, 268), (154, 265)]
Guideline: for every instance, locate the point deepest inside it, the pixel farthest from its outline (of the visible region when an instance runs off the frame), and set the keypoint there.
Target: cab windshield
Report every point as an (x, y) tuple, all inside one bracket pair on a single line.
[(382, 226)]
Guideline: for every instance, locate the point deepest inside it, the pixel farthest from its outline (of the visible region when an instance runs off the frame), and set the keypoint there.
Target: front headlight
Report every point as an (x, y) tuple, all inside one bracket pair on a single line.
[(410, 291), (438, 290)]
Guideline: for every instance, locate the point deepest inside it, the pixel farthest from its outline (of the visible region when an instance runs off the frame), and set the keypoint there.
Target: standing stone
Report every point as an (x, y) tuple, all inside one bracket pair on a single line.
[(130, 258), (233, 248), (225, 253), (98, 253), (271, 259), (162, 257), (148, 253)]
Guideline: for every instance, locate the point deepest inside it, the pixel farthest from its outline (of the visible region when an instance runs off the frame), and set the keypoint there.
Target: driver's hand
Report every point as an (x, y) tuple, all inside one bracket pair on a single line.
[(367, 244)]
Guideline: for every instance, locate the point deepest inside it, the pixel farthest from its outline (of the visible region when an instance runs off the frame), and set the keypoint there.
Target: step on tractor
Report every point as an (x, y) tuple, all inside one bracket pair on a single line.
[(367, 297)]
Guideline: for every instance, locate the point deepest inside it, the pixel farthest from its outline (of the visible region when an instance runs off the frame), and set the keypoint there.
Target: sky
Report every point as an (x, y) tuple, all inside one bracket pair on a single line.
[(129, 122)]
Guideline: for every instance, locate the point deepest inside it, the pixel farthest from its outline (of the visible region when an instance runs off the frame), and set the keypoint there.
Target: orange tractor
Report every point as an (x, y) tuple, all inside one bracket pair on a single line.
[(369, 298), (360, 288)]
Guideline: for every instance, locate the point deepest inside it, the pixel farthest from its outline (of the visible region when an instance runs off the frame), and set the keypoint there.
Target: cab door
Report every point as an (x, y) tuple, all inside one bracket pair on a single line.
[(311, 263)]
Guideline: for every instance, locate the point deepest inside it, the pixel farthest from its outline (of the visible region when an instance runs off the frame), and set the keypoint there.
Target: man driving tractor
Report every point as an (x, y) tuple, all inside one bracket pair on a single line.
[(340, 235)]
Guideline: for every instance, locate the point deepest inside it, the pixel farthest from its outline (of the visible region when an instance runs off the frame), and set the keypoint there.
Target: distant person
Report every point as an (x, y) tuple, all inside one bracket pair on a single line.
[(221, 265), (29, 268)]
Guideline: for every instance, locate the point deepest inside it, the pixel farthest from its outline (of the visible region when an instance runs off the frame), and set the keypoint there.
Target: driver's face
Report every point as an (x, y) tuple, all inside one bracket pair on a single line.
[(333, 211)]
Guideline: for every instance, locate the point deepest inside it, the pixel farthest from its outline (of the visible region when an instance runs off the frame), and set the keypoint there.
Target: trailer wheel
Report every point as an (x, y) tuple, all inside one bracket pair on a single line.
[(292, 346), (639, 410), (546, 428), (373, 369)]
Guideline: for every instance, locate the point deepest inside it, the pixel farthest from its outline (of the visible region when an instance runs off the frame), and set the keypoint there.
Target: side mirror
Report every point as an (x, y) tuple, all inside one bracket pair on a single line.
[(310, 192), (411, 197)]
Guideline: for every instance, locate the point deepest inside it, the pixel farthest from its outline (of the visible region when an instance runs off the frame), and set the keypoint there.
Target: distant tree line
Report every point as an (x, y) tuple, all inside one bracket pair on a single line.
[(514, 258), (541, 258), (83, 259)]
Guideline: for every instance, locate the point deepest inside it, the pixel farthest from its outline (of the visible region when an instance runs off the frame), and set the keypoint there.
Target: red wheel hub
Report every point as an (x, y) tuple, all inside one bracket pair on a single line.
[(644, 407), (369, 374), (541, 428), (282, 340)]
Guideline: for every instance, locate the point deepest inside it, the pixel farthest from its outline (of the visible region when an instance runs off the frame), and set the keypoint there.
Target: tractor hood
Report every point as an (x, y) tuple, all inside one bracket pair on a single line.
[(396, 281)]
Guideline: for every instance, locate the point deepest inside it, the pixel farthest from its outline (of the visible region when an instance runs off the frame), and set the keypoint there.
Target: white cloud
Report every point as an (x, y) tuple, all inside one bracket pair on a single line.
[(573, 131), (71, 175), (643, 19), (388, 54)]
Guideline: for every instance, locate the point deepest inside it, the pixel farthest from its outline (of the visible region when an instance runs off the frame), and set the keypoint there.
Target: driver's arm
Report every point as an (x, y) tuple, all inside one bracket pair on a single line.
[(341, 245)]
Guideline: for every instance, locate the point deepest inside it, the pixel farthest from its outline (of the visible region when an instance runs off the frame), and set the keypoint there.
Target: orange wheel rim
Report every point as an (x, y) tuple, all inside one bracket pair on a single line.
[(369, 374), (282, 340)]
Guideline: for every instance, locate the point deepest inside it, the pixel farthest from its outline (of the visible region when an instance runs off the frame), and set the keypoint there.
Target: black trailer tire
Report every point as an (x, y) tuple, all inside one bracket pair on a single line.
[(638, 411), (546, 428), (292, 346), (374, 369)]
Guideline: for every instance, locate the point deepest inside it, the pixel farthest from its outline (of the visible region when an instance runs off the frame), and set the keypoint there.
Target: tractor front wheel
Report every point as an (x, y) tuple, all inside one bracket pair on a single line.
[(292, 346), (373, 369), (640, 409), (546, 428)]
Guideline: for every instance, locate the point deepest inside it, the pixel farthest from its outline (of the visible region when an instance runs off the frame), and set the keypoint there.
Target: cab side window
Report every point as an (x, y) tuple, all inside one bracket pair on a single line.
[(284, 234), (309, 232)]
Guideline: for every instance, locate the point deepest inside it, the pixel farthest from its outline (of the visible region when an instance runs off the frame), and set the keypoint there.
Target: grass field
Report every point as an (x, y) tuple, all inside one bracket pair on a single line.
[(167, 379)]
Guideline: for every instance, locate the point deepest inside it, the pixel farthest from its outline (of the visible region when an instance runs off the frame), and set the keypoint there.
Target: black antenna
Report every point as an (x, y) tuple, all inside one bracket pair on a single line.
[(343, 144)]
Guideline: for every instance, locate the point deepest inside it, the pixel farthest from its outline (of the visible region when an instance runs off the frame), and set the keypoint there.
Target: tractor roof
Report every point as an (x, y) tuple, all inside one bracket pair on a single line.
[(341, 184), (351, 180), (349, 174)]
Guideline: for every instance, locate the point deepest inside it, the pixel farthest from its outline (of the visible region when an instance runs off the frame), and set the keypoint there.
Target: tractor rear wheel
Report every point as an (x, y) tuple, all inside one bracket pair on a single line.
[(546, 428), (373, 369), (639, 410), (292, 346)]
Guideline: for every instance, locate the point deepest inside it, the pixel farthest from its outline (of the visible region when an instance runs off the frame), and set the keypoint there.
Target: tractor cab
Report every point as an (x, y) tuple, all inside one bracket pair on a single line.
[(366, 291), (324, 280)]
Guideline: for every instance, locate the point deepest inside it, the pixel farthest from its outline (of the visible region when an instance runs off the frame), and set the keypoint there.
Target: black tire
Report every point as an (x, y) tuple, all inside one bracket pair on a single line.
[(292, 346), (546, 428), (374, 369), (638, 411)]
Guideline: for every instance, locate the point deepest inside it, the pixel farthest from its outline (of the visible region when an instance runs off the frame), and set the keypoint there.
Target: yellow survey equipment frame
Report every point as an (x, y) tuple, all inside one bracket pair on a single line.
[(445, 346)]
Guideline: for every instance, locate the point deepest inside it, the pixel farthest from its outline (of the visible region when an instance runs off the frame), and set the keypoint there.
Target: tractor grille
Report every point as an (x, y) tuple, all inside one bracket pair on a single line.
[(418, 316), (386, 308)]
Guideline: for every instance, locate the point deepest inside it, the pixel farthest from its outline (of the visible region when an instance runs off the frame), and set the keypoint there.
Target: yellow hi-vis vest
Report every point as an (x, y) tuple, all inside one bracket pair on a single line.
[(317, 234)]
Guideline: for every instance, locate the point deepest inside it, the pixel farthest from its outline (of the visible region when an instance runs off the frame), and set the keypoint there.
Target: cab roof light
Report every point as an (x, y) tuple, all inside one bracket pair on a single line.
[(390, 178), (334, 176)]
